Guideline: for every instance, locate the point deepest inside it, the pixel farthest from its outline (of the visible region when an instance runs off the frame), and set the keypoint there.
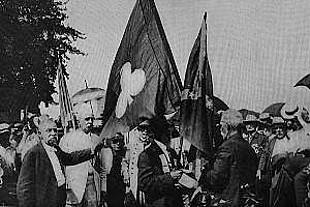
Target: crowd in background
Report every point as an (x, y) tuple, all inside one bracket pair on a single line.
[(264, 157)]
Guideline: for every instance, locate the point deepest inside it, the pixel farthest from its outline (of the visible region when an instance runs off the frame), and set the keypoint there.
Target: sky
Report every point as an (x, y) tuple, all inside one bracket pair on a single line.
[(258, 49)]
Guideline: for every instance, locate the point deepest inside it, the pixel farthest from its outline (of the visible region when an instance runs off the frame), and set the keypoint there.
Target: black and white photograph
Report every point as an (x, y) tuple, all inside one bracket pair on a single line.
[(154, 103)]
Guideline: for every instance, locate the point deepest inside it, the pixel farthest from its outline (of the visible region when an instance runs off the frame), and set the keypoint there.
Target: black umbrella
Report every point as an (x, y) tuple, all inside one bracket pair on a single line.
[(274, 109), (305, 81)]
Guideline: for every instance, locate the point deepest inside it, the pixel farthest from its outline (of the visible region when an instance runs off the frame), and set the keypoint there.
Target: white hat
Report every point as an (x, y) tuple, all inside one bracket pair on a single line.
[(250, 118), (4, 127), (290, 111), (278, 120)]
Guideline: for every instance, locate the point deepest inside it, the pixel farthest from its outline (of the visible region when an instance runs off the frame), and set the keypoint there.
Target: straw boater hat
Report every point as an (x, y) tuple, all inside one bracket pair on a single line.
[(4, 128), (250, 119), (265, 119), (278, 121)]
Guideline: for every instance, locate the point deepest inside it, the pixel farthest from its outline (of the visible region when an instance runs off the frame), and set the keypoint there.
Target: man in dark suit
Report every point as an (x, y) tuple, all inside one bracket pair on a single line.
[(155, 177), (41, 181), (235, 162)]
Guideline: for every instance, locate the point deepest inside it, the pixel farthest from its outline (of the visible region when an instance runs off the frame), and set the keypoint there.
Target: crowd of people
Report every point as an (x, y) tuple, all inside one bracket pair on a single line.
[(262, 160)]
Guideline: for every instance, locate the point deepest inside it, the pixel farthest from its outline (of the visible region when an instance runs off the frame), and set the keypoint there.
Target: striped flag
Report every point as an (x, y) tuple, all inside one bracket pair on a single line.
[(65, 104)]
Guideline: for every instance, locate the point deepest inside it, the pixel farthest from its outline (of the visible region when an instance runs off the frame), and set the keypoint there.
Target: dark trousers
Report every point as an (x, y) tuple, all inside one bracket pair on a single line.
[(300, 185), (262, 190), (61, 196)]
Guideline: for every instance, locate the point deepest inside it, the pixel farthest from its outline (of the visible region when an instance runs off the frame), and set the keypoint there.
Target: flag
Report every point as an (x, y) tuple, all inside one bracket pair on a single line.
[(305, 81), (65, 104), (197, 120), (144, 80)]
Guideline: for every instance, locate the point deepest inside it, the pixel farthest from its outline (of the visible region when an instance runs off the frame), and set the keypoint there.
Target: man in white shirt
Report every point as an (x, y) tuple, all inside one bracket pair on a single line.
[(41, 181), (83, 181)]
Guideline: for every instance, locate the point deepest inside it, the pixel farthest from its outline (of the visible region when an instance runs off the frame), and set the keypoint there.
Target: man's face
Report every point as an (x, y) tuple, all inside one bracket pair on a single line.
[(144, 133), (48, 131), (117, 143), (279, 131), (267, 131), (87, 123), (305, 115), (251, 127), (224, 130)]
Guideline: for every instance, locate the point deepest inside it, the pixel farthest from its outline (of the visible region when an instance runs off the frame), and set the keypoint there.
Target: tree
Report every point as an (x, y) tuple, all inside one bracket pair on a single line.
[(33, 41)]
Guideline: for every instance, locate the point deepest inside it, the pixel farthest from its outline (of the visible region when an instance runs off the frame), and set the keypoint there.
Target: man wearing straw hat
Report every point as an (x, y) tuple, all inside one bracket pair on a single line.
[(255, 139)]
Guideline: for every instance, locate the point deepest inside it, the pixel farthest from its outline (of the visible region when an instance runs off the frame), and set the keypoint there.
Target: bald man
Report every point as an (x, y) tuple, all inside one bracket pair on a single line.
[(41, 181)]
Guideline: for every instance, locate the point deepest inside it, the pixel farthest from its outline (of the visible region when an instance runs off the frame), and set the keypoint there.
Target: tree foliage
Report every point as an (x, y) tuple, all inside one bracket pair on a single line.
[(34, 39)]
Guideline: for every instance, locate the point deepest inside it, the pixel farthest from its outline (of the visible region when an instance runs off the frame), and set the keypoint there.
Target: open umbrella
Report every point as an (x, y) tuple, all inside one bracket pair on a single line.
[(274, 109)]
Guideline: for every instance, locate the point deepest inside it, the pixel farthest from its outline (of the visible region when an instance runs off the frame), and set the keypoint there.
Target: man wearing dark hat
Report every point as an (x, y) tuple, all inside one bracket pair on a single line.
[(156, 178), (263, 180), (256, 140), (274, 157), (265, 124)]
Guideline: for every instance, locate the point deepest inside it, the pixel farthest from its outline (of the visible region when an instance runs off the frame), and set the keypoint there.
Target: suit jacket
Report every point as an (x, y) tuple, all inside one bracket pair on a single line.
[(234, 166), (76, 175), (37, 184), (258, 142), (158, 187)]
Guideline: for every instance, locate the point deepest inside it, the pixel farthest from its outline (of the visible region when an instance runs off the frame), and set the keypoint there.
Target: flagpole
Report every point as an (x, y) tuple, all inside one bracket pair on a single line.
[(65, 104)]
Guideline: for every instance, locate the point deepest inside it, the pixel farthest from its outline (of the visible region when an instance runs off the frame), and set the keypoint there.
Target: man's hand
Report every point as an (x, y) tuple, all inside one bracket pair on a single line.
[(98, 147), (304, 152), (259, 174), (103, 199), (176, 174), (198, 190)]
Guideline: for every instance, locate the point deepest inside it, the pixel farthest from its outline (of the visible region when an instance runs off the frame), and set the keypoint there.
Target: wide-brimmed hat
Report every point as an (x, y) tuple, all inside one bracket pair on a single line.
[(278, 121), (145, 123), (250, 119), (4, 128), (290, 111), (265, 119)]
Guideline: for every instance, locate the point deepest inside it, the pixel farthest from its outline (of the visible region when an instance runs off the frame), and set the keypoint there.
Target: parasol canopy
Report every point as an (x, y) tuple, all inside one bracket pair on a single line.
[(274, 109)]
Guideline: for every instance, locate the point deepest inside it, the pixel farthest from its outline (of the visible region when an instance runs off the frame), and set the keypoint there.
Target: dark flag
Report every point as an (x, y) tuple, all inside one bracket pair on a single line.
[(197, 97), (305, 81), (144, 80)]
